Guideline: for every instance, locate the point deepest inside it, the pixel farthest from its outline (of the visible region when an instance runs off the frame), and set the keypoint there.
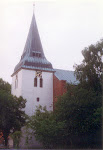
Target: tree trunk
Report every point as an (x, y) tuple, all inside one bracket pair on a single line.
[(71, 142), (6, 141), (5, 135)]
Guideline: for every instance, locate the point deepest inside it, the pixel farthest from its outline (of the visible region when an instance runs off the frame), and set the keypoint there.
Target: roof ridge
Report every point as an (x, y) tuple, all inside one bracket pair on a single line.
[(67, 75), (64, 70)]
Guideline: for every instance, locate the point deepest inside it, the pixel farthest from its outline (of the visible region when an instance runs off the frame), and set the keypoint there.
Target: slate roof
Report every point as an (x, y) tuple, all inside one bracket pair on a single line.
[(66, 75), (33, 56)]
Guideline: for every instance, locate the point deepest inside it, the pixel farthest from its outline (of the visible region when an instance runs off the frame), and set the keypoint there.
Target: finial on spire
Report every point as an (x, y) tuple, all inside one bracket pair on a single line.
[(33, 7)]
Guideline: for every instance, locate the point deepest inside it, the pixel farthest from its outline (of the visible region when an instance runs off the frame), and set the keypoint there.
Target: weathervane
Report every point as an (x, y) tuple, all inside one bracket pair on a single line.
[(33, 7)]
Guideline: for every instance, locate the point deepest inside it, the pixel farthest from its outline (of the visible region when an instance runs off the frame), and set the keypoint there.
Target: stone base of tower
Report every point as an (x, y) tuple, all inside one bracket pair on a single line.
[(28, 140)]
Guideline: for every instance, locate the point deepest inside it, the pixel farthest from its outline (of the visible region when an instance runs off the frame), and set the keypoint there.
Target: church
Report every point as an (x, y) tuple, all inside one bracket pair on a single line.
[(34, 77)]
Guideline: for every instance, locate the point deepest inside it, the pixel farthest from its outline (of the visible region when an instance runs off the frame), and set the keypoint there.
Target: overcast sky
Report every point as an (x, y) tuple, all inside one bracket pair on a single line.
[(65, 28)]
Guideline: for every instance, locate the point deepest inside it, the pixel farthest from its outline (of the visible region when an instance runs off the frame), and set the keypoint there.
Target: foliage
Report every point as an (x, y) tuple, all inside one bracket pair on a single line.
[(5, 86), (81, 110), (81, 106), (16, 138), (89, 72), (12, 115), (46, 129), (75, 123)]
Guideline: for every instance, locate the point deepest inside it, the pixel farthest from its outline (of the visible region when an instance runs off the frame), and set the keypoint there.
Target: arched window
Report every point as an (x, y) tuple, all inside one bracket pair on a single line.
[(35, 82), (16, 82), (41, 82)]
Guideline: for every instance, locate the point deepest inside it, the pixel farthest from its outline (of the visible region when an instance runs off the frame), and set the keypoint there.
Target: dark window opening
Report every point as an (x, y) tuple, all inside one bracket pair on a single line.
[(39, 55), (16, 82), (33, 54), (36, 54), (37, 99), (41, 82), (35, 82)]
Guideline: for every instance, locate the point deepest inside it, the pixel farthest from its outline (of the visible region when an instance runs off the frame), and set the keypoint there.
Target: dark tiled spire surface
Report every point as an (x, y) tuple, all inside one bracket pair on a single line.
[(33, 56)]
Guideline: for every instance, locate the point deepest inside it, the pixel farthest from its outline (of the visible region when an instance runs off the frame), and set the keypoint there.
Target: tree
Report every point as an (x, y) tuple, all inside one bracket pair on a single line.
[(46, 129), (90, 76), (81, 111), (75, 123), (16, 138), (12, 115), (90, 71), (5, 86)]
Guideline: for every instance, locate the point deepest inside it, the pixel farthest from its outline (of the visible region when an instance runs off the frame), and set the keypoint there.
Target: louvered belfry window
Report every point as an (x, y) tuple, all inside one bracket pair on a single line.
[(41, 82), (35, 82)]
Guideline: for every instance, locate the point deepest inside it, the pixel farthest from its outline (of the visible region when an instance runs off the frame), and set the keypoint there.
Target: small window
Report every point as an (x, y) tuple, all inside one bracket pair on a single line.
[(35, 82), (37, 99), (16, 82), (41, 82), (33, 54), (39, 55), (36, 54)]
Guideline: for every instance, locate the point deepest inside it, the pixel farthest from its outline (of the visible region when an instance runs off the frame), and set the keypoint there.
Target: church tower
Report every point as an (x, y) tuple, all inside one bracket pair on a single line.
[(33, 75)]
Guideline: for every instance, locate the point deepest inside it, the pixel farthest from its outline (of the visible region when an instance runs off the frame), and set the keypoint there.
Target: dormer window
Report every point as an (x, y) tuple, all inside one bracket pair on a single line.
[(39, 55), (36, 54)]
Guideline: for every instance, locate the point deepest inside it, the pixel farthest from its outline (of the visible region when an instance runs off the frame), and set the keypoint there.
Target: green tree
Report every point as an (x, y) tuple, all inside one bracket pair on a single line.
[(46, 129), (16, 138), (75, 123), (12, 115), (81, 111), (89, 72), (5, 86)]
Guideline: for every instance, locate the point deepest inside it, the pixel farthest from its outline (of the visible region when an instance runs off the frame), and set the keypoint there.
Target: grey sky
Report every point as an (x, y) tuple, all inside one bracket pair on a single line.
[(65, 28)]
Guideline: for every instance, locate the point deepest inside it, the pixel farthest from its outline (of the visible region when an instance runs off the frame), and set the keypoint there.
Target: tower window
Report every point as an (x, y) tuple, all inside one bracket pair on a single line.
[(36, 54), (37, 99), (41, 82), (16, 82), (35, 82), (39, 55), (33, 54)]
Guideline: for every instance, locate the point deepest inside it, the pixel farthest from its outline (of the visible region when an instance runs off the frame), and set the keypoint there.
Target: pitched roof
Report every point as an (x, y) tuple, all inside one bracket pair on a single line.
[(33, 56), (66, 75)]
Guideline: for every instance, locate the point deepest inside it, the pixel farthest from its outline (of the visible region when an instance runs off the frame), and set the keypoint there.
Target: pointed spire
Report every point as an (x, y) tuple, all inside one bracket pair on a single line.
[(33, 42), (33, 56)]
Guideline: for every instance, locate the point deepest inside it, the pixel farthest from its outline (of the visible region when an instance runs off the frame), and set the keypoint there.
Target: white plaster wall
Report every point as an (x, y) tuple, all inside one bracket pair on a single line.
[(17, 91), (30, 93)]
